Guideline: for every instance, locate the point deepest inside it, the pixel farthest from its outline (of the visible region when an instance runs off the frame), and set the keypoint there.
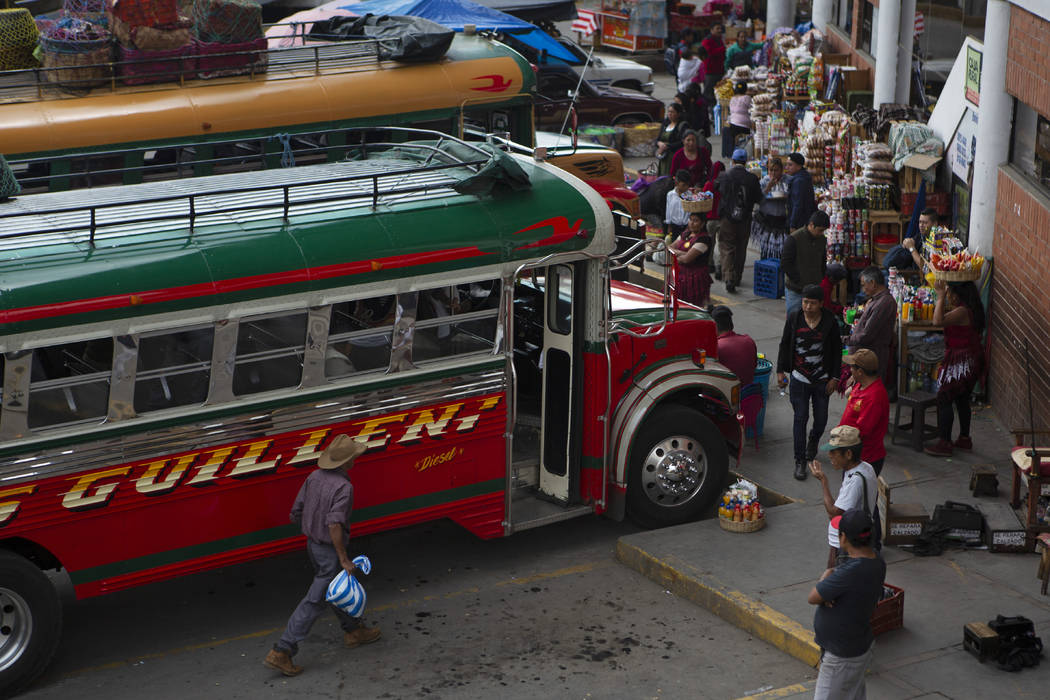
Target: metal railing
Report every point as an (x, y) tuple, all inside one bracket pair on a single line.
[(88, 219), (334, 55)]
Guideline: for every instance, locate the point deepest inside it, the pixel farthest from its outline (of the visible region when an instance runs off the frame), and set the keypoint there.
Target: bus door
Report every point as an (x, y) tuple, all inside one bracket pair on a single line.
[(556, 450)]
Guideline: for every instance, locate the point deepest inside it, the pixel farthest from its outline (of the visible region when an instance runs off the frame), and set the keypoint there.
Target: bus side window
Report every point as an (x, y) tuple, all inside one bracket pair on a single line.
[(269, 353), (359, 336), (173, 369), (458, 319), (70, 383)]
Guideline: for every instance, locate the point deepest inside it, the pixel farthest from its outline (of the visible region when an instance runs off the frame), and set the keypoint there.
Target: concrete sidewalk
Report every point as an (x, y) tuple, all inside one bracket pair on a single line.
[(760, 581)]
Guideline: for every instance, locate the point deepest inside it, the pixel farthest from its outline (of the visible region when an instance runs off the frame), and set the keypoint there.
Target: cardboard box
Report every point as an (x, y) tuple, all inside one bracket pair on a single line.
[(1003, 531), (904, 523)]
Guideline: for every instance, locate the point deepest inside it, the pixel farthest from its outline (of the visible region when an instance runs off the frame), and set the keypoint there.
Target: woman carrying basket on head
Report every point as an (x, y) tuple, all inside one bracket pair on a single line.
[(963, 362), (693, 250)]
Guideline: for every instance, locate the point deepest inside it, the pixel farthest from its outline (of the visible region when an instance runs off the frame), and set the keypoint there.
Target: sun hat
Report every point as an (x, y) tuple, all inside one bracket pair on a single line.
[(863, 358), (341, 450)]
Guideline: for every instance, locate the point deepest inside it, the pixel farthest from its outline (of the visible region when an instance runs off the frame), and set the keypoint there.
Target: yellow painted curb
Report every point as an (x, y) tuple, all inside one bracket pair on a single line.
[(785, 692), (732, 606)]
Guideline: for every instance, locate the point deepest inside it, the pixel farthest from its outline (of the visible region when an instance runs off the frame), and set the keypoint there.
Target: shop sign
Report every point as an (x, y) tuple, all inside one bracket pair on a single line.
[(974, 58), (964, 145)]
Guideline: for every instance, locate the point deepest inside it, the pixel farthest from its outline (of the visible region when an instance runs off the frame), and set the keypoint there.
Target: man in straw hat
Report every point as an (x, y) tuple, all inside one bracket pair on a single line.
[(846, 597), (323, 510), (859, 483)]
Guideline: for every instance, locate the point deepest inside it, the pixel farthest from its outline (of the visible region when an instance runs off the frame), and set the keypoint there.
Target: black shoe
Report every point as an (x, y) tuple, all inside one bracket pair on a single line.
[(800, 470), (730, 287), (718, 274)]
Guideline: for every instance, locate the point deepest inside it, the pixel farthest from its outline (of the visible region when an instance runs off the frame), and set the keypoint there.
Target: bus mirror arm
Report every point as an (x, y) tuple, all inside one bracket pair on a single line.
[(629, 372)]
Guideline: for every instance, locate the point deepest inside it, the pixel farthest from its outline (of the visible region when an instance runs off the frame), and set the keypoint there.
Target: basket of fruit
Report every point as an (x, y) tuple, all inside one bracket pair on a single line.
[(958, 267), (740, 510)]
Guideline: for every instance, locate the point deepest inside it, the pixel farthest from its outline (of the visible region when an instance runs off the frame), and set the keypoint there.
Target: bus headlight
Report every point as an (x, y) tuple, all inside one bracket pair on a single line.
[(736, 397)]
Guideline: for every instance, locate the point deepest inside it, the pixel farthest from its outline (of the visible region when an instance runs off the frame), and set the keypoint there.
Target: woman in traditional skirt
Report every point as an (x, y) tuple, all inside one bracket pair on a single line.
[(693, 250), (770, 227), (963, 362)]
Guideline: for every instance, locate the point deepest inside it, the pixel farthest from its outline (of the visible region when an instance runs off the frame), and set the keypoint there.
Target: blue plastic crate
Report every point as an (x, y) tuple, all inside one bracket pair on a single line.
[(769, 281)]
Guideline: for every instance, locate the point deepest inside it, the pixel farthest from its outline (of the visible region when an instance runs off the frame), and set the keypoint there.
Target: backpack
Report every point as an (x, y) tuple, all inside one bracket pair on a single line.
[(739, 209)]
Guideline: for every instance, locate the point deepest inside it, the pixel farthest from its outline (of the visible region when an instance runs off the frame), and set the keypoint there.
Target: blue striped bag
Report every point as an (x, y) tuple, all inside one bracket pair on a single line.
[(346, 593)]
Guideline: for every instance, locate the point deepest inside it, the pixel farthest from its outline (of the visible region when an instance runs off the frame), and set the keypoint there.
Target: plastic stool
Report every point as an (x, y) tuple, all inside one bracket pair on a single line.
[(919, 402)]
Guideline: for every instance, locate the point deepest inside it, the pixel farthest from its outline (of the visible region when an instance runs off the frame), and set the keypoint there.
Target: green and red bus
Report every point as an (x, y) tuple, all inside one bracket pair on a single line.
[(294, 112), (176, 355)]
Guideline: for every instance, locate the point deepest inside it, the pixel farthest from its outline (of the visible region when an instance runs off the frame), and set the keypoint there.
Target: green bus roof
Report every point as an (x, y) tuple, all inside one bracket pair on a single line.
[(225, 239)]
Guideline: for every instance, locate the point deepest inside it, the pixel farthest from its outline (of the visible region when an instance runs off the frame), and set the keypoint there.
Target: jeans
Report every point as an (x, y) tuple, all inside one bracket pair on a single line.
[(792, 300), (326, 565), (802, 395), (946, 416)]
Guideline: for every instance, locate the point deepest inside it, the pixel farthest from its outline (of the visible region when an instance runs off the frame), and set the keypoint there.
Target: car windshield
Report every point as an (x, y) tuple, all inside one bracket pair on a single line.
[(573, 47)]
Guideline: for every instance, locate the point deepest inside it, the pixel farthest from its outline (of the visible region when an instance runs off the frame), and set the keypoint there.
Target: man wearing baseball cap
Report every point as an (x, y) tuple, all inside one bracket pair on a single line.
[(859, 483), (867, 406), (740, 191), (846, 597), (322, 508)]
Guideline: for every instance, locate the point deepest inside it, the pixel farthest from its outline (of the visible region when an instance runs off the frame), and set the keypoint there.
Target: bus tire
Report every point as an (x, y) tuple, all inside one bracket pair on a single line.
[(679, 464), (30, 622)]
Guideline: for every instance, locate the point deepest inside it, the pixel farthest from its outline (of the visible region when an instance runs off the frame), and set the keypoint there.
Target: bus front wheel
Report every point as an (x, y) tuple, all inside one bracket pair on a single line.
[(30, 622), (679, 464)]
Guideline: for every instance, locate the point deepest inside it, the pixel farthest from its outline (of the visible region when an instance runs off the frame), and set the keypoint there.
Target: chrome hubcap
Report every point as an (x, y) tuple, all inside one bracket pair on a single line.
[(673, 471), (16, 627)]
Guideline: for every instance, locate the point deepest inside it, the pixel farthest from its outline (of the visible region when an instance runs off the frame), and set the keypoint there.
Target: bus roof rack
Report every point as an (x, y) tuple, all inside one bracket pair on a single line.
[(374, 173), (336, 56)]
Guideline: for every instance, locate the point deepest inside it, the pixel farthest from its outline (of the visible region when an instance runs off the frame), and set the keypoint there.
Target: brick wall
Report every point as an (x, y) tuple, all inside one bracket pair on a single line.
[(1020, 302), (1027, 67)]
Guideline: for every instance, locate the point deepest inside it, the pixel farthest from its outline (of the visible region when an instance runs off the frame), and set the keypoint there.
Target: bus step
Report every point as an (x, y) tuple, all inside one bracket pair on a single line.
[(527, 513)]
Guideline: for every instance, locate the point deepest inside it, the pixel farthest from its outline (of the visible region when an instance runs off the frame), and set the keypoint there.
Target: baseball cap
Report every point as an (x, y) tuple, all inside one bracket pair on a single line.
[(740, 156), (842, 436), (863, 358), (854, 524)]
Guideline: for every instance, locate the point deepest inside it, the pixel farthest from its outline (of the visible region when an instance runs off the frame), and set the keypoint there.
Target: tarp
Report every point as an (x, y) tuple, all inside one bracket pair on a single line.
[(535, 10), (455, 14), (400, 38)]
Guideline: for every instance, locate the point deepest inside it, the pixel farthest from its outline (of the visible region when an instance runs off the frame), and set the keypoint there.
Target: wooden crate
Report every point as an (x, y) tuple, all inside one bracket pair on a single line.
[(889, 613)]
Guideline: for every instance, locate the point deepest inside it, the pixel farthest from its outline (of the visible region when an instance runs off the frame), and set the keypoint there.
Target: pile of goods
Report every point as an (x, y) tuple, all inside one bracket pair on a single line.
[(154, 43), (639, 140), (229, 37), (875, 161), (739, 510), (18, 39), (956, 267), (76, 53)]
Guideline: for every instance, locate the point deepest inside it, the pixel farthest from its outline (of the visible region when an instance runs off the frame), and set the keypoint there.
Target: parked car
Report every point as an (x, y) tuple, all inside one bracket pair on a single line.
[(603, 71), (556, 86)]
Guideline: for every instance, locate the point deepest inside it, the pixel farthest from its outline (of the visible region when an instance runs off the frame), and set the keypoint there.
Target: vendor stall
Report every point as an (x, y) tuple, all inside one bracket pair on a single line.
[(633, 25)]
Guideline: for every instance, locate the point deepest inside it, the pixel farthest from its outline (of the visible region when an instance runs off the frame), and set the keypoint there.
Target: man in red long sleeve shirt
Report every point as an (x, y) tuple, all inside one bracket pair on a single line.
[(868, 407)]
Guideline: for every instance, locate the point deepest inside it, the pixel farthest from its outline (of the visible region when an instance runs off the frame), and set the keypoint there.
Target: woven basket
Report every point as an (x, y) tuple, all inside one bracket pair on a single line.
[(79, 70), (956, 275), (700, 205), (18, 37), (743, 525)]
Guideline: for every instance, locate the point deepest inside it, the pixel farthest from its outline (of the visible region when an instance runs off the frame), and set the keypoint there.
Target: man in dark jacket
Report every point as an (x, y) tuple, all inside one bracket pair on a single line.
[(804, 259), (801, 200), (740, 192), (874, 327), (811, 352)]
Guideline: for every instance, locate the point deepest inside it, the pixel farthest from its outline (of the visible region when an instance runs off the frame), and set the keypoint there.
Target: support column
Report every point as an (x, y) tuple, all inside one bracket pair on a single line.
[(907, 44), (822, 14), (780, 13), (993, 128), (886, 53)]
